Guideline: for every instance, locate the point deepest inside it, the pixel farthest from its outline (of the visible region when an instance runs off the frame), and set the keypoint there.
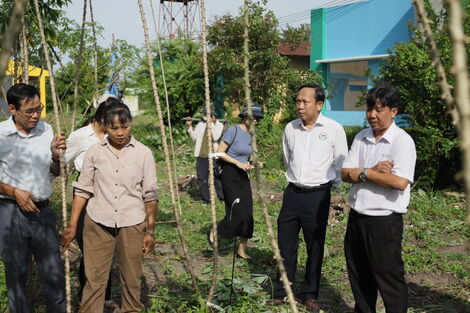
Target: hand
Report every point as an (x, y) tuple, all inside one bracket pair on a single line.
[(25, 200), (189, 122), (148, 244), (67, 236), (354, 174), (58, 145), (245, 166), (383, 167)]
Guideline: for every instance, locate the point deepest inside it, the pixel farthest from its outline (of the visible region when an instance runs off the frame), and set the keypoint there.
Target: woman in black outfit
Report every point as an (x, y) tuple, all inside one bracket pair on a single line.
[(236, 146)]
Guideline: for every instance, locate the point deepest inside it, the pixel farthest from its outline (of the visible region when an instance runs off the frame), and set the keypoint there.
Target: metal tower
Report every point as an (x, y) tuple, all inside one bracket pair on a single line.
[(179, 18)]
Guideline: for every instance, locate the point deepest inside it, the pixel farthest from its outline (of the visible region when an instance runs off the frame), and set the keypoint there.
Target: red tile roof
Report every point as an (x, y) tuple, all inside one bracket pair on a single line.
[(299, 49)]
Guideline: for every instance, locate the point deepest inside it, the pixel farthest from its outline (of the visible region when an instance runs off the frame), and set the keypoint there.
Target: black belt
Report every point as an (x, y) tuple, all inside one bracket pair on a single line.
[(41, 204), (309, 189)]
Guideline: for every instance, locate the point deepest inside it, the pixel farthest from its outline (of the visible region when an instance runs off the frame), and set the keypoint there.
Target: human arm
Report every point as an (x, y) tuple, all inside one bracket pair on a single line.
[(340, 152), (24, 199), (227, 158), (151, 210), (69, 233), (58, 147), (191, 130)]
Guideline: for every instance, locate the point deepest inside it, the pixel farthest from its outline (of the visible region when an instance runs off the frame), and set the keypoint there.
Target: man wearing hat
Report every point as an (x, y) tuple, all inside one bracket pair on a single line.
[(314, 149), (201, 152)]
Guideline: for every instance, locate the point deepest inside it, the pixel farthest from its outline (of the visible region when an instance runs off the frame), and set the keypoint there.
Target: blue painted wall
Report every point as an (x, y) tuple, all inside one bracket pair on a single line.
[(366, 28)]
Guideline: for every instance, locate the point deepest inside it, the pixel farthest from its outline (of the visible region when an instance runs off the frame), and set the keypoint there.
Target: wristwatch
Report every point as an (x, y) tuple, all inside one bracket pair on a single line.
[(363, 176)]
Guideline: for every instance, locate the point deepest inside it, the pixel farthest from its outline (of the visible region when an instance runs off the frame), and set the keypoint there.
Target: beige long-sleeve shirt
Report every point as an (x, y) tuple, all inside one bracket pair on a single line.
[(118, 185)]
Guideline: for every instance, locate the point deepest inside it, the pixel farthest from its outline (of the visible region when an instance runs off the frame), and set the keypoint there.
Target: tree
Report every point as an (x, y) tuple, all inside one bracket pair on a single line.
[(182, 65), (410, 70), (273, 82), (296, 34)]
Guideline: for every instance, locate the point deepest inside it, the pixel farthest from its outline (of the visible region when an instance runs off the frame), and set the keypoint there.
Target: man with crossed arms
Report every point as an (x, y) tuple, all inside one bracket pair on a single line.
[(381, 166)]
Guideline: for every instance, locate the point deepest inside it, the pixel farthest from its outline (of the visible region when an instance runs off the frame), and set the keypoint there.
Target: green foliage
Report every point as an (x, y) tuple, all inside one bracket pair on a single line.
[(294, 35), (182, 63), (410, 70), (273, 82), (52, 16)]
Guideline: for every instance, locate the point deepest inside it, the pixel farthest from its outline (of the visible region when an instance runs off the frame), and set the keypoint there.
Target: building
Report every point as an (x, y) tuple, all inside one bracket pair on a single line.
[(37, 77), (297, 53), (350, 38)]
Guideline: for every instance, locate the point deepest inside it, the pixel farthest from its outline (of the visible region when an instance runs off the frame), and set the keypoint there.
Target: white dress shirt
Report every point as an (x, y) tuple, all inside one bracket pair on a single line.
[(78, 143), (395, 145), (198, 134), (25, 160), (314, 156)]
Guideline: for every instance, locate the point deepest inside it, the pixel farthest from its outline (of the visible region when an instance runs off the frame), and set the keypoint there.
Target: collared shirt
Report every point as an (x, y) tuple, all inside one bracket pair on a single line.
[(25, 160), (314, 156), (395, 145), (118, 185), (198, 132), (78, 143)]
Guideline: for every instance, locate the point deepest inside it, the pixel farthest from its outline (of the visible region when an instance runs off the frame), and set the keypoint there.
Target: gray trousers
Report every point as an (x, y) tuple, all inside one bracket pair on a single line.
[(22, 234)]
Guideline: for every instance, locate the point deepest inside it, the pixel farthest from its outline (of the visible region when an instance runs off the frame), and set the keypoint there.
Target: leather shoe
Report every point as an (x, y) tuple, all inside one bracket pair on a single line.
[(312, 305)]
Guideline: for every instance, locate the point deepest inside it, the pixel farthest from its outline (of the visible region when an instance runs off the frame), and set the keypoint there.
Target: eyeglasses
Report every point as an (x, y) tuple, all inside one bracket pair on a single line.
[(30, 112)]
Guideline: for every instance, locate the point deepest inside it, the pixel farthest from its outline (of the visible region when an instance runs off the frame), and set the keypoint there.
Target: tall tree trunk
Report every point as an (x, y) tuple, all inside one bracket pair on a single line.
[(24, 55), (9, 39), (79, 66), (210, 149), (95, 45), (165, 149), (267, 220), (462, 92), (172, 146), (61, 156)]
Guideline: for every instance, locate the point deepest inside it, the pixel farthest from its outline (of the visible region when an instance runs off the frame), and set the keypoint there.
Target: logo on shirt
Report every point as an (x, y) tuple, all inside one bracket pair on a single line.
[(323, 136)]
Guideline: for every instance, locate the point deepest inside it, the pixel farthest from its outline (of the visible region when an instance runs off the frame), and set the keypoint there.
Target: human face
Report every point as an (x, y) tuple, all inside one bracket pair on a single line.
[(380, 117), (119, 134), (28, 115), (307, 106)]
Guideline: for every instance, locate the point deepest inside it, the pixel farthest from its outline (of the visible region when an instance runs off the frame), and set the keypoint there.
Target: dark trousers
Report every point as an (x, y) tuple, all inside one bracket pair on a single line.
[(22, 234), (81, 268), (307, 211), (373, 255), (202, 174)]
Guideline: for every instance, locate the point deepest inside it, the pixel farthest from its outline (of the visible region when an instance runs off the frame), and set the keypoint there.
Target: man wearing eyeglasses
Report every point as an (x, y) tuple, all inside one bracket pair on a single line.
[(29, 154)]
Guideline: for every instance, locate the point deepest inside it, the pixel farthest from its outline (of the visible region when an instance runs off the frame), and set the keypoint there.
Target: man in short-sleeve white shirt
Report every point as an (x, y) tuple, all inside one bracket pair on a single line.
[(381, 166), (314, 149)]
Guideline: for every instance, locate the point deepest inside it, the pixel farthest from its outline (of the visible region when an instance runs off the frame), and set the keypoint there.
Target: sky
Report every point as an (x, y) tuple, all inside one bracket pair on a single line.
[(122, 17)]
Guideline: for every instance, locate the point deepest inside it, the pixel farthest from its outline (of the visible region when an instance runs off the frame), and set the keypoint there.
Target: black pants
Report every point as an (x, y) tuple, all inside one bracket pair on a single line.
[(25, 233), (373, 255), (307, 211), (202, 174)]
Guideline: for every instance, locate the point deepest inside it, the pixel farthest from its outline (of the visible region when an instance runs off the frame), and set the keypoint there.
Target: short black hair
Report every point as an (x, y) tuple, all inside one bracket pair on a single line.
[(19, 92), (119, 109), (319, 91), (388, 95)]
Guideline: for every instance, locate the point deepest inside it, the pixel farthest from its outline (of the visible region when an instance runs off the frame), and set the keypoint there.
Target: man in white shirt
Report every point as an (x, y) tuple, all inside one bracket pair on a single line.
[(28, 156), (314, 150), (381, 166), (201, 152)]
